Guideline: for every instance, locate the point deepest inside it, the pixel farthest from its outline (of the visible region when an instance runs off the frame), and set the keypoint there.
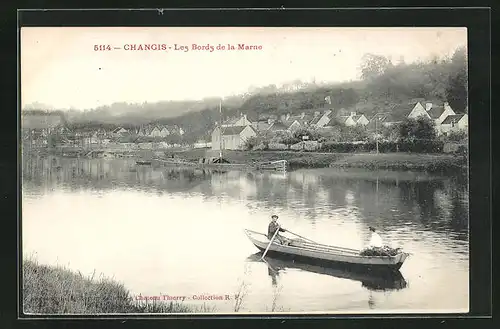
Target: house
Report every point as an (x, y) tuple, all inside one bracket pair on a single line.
[(202, 144), (360, 119), (417, 111), (349, 120), (119, 131), (231, 138), (293, 125), (320, 120), (439, 113), (455, 123), (159, 131), (278, 126), (385, 119), (262, 125), (238, 122)]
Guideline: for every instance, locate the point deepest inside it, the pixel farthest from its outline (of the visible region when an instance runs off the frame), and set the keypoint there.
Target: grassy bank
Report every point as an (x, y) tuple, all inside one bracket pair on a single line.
[(392, 161), (57, 290), (402, 161), (300, 159)]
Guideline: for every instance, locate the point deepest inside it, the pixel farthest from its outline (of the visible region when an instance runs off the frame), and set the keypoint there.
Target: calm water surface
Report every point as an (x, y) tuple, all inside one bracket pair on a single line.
[(180, 232)]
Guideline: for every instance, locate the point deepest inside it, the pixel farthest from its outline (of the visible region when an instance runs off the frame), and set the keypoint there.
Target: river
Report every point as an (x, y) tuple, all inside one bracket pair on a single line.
[(179, 232)]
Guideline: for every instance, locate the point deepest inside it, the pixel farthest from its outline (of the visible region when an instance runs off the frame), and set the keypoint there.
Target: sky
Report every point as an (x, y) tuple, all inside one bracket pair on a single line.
[(60, 68)]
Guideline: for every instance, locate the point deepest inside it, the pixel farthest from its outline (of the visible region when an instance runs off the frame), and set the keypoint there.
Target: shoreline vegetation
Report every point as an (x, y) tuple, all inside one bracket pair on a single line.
[(299, 160), (58, 290), (428, 162)]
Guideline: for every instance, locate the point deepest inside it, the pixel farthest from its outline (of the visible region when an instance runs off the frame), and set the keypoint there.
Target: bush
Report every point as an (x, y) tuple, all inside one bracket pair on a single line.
[(251, 142), (456, 136), (414, 146)]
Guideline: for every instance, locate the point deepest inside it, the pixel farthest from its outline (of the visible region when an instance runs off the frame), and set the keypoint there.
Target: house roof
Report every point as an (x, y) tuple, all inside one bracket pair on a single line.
[(261, 125), (331, 122), (357, 117), (41, 121), (453, 118), (343, 118), (118, 129), (289, 122), (229, 131), (315, 119), (436, 111), (278, 126)]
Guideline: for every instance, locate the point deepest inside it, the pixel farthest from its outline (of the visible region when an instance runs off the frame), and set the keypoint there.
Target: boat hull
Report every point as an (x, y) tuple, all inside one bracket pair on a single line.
[(334, 263), (338, 257)]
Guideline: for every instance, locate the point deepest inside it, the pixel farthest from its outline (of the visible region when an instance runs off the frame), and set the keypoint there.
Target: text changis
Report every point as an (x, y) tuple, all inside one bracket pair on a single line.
[(154, 46)]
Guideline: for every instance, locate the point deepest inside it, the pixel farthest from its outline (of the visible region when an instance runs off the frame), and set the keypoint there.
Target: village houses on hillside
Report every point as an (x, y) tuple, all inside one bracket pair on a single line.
[(413, 110)]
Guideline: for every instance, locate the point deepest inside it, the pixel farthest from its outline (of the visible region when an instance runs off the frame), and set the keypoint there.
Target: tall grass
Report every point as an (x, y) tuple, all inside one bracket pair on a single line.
[(57, 290)]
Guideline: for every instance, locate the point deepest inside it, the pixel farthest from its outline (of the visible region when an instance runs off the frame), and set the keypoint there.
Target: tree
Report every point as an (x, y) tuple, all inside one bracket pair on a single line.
[(373, 65), (421, 128), (456, 90)]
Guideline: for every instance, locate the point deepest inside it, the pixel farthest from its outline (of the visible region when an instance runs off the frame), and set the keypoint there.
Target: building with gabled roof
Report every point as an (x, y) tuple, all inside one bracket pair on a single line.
[(231, 138), (455, 123)]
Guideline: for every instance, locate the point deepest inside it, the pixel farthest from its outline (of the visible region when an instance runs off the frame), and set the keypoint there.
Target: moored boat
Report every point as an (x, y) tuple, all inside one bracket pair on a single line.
[(280, 165), (321, 254)]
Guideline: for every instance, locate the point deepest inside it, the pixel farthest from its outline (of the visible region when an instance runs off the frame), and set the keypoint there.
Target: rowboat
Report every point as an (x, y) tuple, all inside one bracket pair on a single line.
[(280, 165), (321, 254), (390, 280)]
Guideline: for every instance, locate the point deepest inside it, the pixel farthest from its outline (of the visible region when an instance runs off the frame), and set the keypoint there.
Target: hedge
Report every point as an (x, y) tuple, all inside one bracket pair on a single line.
[(385, 147)]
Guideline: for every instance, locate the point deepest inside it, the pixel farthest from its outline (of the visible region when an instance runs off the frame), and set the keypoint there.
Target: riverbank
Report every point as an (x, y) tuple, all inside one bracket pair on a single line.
[(297, 160), (402, 161), (300, 159), (57, 290)]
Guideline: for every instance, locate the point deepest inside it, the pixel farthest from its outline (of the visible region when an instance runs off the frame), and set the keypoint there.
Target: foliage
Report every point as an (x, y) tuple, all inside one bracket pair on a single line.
[(456, 136), (421, 128), (311, 133), (417, 146), (373, 65), (252, 142), (456, 88)]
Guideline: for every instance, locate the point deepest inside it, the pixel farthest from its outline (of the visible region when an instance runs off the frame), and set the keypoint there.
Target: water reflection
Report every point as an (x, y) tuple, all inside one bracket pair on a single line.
[(388, 200), (381, 282), (113, 202)]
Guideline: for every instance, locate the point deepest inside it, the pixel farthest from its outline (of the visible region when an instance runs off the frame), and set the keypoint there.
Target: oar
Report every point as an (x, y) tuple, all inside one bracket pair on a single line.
[(300, 236), (272, 239)]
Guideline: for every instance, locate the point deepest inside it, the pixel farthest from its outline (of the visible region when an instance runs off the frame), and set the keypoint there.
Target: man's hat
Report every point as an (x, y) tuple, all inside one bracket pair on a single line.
[(274, 216)]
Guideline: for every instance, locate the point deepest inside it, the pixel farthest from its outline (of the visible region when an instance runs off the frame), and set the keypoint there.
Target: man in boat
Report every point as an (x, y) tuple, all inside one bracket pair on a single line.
[(375, 240), (273, 227)]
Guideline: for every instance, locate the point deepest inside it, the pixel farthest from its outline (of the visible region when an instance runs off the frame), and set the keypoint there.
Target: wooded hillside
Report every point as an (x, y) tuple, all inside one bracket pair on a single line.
[(383, 85)]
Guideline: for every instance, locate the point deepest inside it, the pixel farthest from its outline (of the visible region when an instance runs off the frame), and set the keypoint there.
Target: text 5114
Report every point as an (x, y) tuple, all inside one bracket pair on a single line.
[(102, 47)]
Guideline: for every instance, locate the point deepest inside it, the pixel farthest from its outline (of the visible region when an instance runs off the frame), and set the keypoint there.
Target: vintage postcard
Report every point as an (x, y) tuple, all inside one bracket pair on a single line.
[(244, 170)]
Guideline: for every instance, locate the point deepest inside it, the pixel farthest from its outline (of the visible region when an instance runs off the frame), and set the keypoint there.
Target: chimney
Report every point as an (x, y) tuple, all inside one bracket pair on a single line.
[(245, 116), (428, 106), (287, 116), (269, 121), (353, 114), (302, 115)]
